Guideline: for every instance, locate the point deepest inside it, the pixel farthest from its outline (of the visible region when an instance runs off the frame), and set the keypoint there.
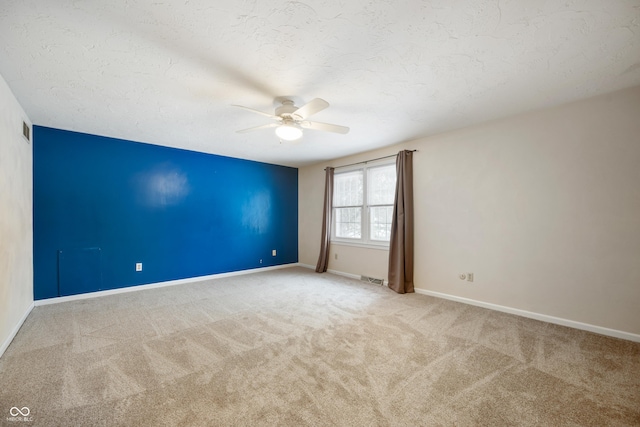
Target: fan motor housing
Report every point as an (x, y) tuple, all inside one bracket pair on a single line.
[(286, 108)]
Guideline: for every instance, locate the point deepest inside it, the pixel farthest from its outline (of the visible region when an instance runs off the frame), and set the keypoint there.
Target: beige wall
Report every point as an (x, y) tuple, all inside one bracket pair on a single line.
[(16, 236), (543, 208)]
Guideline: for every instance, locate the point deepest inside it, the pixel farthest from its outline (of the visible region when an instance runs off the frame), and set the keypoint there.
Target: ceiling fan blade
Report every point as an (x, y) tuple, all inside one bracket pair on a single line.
[(324, 127), (268, 125), (256, 111), (310, 108)]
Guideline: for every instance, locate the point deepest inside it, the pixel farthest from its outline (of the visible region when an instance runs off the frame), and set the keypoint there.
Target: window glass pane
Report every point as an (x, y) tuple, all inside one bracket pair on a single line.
[(380, 222), (348, 222), (348, 189), (381, 185)]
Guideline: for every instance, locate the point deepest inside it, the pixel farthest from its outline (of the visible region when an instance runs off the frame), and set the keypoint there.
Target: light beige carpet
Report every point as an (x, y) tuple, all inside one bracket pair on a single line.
[(293, 347)]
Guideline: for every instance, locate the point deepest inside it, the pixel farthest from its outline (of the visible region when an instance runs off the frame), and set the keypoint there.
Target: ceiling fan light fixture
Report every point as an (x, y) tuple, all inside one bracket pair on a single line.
[(288, 132), (291, 120)]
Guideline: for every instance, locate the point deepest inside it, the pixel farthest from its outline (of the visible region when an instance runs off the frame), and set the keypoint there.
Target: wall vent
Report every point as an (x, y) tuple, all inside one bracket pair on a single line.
[(26, 131), (372, 280)]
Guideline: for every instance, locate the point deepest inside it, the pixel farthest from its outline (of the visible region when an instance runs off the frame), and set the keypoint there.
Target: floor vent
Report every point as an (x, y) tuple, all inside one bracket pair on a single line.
[(372, 280)]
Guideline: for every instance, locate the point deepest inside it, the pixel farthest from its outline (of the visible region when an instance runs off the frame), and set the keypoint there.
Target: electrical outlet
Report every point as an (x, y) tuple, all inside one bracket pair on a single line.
[(462, 276), (273, 252), (469, 277), (260, 261), (335, 256), (138, 266)]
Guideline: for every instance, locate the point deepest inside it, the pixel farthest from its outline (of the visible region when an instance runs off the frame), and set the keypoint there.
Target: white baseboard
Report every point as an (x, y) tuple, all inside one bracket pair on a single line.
[(537, 316), (341, 273), (15, 330), (136, 288), (336, 272), (523, 313)]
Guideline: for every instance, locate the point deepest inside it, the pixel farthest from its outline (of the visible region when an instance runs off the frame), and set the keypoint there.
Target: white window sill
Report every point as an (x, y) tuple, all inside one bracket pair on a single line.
[(380, 247)]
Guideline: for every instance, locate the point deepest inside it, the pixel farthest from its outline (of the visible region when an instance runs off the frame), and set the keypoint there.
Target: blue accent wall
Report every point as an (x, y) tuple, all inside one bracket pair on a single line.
[(180, 213)]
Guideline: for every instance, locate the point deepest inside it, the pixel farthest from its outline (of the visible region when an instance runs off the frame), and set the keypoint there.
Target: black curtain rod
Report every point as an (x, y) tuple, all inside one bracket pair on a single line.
[(371, 160)]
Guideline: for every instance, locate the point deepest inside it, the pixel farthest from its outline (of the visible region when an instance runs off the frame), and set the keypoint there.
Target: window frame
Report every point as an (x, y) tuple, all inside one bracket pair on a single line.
[(365, 240)]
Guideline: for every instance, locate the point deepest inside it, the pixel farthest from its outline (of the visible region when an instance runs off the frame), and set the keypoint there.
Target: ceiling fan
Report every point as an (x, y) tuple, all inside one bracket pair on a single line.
[(290, 120)]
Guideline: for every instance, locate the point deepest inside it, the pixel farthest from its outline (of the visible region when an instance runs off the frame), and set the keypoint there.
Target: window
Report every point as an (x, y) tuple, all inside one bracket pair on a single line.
[(363, 204)]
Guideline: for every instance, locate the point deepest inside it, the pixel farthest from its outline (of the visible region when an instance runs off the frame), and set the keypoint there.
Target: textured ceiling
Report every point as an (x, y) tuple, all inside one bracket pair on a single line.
[(167, 71)]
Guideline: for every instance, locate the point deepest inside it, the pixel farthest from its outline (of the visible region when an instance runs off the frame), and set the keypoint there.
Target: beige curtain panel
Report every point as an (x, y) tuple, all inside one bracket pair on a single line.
[(401, 242), (323, 259)]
